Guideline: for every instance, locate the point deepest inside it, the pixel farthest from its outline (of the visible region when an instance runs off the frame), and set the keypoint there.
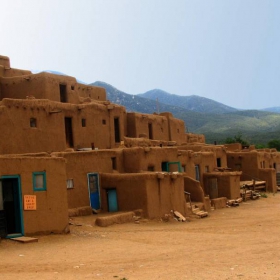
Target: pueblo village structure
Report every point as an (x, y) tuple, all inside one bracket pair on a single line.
[(65, 149)]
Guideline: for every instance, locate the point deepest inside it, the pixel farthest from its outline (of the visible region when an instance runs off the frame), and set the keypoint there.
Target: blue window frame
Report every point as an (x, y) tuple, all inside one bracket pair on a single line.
[(39, 181)]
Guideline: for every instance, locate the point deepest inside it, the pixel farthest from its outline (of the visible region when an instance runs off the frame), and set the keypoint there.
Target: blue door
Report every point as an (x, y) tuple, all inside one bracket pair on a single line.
[(93, 187), (112, 200)]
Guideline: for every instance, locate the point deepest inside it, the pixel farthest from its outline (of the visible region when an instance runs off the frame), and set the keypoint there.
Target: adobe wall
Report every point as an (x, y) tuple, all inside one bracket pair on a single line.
[(194, 188), (51, 214), (176, 128), (5, 61), (234, 147), (228, 184), (142, 159), (138, 126), (269, 175), (22, 137), (79, 164), (194, 138), (47, 86), (165, 195), (145, 191)]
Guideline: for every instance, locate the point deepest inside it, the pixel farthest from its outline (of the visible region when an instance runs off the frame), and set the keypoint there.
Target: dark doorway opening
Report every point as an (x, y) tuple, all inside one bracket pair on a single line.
[(63, 93), (69, 133), (150, 127), (11, 222), (219, 162), (117, 130)]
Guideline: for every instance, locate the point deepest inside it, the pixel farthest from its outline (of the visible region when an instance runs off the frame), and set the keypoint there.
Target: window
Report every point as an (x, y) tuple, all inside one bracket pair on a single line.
[(151, 168), (70, 184), (39, 181), (83, 122), (197, 173), (72, 87), (63, 93), (114, 163), (103, 121), (150, 129), (33, 122), (183, 168), (219, 162), (206, 168)]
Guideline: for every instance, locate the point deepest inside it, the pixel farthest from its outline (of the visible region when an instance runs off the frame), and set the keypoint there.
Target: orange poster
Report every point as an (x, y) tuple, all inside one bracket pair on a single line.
[(29, 202)]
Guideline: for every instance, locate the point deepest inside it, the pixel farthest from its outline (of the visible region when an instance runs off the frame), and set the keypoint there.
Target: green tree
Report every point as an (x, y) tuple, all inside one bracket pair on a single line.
[(236, 139), (274, 144)]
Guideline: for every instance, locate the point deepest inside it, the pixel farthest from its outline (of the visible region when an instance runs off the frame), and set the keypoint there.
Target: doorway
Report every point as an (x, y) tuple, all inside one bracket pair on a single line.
[(112, 200), (69, 132), (11, 207), (117, 130), (93, 188)]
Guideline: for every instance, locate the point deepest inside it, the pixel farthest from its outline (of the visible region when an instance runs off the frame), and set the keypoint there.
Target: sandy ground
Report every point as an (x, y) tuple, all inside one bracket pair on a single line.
[(232, 243)]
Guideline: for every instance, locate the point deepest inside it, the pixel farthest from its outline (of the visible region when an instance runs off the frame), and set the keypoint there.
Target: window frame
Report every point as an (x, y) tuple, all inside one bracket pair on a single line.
[(34, 174)]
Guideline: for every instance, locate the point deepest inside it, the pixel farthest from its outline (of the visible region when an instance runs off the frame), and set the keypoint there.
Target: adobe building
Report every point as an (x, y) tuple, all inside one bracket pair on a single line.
[(259, 165), (88, 153), (32, 195)]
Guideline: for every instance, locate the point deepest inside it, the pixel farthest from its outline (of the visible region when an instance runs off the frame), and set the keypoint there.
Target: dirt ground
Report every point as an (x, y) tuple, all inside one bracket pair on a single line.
[(232, 243)]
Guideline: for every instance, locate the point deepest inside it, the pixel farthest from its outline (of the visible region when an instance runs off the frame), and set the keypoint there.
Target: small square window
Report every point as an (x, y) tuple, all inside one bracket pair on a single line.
[(83, 122), (151, 168), (72, 87), (33, 122), (39, 181), (103, 121), (70, 184)]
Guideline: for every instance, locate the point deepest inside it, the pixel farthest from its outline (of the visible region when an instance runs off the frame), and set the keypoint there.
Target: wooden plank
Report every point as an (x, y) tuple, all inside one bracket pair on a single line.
[(24, 239)]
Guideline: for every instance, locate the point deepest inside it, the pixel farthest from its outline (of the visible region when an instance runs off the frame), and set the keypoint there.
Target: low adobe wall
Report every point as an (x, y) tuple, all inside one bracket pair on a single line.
[(155, 194)]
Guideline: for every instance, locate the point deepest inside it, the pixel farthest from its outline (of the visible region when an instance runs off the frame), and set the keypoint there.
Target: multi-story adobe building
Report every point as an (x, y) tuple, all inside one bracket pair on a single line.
[(66, 149)]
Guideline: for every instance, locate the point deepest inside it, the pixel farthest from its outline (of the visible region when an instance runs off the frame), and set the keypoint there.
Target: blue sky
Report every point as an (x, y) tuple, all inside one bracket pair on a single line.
[(226, 50)]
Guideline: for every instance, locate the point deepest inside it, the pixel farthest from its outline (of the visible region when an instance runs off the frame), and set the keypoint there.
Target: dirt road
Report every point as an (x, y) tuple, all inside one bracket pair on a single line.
[(233, 243)]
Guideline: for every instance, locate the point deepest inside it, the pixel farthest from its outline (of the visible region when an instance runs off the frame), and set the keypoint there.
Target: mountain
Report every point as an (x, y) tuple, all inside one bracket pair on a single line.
[(257, 127), (272, 109), (192, 102)]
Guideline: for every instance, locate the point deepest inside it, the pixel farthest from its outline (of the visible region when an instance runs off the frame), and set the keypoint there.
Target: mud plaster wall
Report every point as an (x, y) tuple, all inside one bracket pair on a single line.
[(165, 195), (5, 61), (229, 186), (20, 137), (247, 162), (138, 126), (47, 86), (117, 113), (131, 191), (194, 188), (177, 130), (194, 138), (49, 133), (79, 164), (51, 214), (141, 159), (269, 175), (234, 147)]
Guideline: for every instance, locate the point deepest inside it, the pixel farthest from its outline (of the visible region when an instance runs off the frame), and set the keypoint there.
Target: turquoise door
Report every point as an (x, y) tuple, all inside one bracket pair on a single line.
[(93, 187), (112, 200)]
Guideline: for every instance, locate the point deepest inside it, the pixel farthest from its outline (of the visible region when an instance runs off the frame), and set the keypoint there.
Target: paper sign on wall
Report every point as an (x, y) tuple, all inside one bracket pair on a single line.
[(29, 202)]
